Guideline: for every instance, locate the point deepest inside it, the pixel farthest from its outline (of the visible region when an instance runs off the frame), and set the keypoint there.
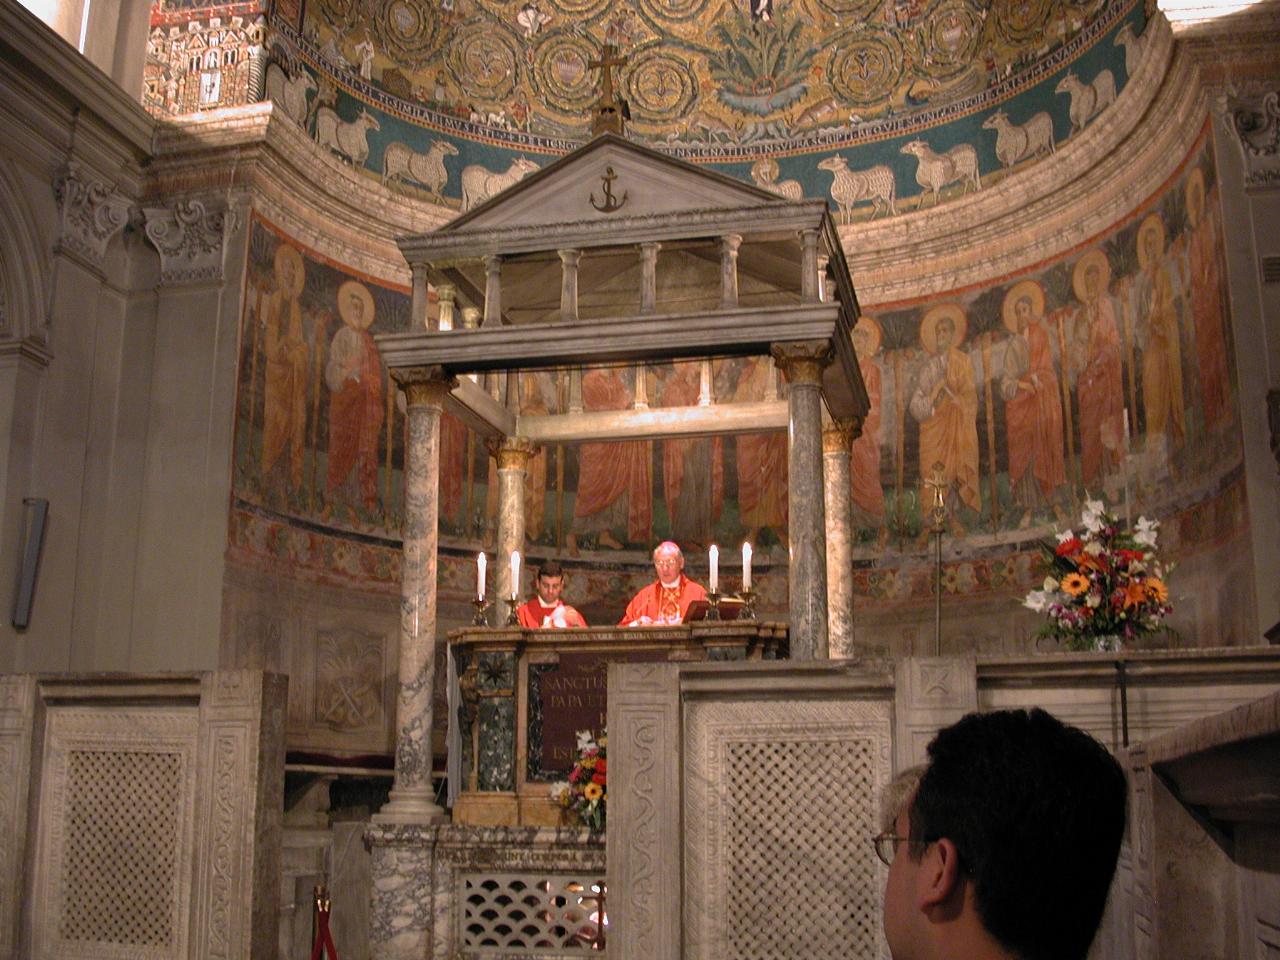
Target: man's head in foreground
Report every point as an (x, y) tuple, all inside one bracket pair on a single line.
[(1007, 847)]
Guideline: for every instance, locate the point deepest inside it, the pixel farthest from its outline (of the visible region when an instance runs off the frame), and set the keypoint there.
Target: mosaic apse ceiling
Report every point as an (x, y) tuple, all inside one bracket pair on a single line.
[(852, 100)]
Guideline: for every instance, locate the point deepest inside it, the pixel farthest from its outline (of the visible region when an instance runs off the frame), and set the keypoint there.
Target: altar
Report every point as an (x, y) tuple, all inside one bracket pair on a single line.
[(521, 696)]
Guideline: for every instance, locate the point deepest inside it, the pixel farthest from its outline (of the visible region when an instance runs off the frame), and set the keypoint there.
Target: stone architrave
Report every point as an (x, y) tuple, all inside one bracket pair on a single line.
[(512, 454), (412, 797), (802, 364), (91, 213), (837, 441), (191, 238)]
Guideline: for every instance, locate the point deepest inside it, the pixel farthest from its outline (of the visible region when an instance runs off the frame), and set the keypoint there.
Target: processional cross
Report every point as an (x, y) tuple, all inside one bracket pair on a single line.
[(610, 112)]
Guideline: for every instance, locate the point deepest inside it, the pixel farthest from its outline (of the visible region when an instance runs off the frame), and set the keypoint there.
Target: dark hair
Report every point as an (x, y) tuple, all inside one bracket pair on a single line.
[(550, 568), (1036, 809)]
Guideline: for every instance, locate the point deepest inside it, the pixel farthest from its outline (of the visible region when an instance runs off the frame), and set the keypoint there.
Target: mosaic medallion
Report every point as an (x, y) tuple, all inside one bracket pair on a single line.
[(661, 84), (484, 57), (579, 10), (952, 35), (408, 30), (851, 9), (562, 76), (342, 11), (1021, 21), (661, 13), (867, 68)]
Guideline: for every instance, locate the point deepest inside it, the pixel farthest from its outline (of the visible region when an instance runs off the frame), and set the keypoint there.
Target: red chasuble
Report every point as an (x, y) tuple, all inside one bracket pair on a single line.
[(663, 604), (534, 616)]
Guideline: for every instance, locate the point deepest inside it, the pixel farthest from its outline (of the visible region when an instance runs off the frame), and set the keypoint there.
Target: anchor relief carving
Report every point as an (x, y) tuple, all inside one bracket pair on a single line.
[(611, 203)]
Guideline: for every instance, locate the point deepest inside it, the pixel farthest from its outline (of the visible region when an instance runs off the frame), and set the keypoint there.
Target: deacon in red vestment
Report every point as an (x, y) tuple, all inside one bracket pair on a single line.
[(667, 600), (547, 609)]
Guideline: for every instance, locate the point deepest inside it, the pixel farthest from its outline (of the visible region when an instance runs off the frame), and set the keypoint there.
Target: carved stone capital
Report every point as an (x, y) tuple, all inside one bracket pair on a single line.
[(191, 238), (838, 435), (424, 386), (512, 453), (1254, 118), (802, 361), (92, 212)]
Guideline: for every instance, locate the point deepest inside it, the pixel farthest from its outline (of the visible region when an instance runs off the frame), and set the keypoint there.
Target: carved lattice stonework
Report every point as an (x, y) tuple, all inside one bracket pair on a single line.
[(780, 804), (122, 816), (527, 912)]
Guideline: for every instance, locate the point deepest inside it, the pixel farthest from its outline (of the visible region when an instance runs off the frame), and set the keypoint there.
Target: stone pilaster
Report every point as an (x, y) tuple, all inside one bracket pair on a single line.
[(492, 291), (512, 454), (729, 270), (91, 212), (802, 364), (191, 237), (649, 277), (569, 285), (809, 288), (419, 299), (412, 797), (837, 441)]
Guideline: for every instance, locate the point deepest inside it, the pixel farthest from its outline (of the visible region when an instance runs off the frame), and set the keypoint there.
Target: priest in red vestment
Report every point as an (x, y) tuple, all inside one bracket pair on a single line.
[(667, 600), (547, 609)]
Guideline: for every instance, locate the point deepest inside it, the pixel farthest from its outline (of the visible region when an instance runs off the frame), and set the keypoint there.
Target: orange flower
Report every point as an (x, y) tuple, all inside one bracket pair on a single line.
[(1075, 584), (593, 791), (1157, 590), (1134, 594)]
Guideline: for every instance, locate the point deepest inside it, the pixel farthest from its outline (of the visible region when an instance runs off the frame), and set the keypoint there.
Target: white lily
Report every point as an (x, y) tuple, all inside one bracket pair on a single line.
[(1050, 585), (1065, 536), (1093, 547), (1037, 600), (1092, 515), (1146, 535), (585, 739)]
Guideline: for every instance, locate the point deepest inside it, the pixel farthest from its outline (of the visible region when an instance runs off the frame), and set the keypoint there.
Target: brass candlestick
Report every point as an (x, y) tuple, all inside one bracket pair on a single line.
[(513, 617), (481, 605), (748, 598), (713, 610)]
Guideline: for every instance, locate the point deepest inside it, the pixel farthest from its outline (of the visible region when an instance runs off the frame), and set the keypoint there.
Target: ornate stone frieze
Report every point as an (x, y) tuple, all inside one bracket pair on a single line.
[(1254, 117), (191, 238), (91, 213)]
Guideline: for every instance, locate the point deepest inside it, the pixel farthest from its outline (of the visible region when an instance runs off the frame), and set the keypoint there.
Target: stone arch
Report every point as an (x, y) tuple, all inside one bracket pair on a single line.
[(24, 270)]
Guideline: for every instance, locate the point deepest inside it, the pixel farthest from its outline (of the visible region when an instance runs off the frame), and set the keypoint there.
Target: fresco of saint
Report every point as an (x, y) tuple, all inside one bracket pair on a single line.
[(284, 415), (1204, 282), (1099, 384), (1033, 404), (357, 394), (761, 460), (945, 402), (1162, 395), (692, 467), (864, 457)]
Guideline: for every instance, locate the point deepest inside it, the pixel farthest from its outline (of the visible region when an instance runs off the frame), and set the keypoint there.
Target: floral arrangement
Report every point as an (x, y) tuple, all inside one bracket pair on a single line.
[(1105, 586), (586, 792)]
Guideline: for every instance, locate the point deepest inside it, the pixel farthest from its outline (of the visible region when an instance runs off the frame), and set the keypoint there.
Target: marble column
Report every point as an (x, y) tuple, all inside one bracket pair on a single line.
[(569, 285), (512, 454), (412, 797), (802, 364), (729, 271), (448, 295), (649, 277), (837, 443), (809, 287), (492, 291)]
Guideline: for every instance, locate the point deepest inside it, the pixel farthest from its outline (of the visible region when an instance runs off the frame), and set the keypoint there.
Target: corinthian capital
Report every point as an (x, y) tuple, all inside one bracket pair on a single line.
[(191, 238), (1253, 115), (92, 212)]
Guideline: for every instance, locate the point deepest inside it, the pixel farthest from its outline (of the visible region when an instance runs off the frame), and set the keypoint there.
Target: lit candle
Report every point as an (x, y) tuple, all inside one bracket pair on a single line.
[(715, 568), (515, 573), (480, 565), (746, 565)]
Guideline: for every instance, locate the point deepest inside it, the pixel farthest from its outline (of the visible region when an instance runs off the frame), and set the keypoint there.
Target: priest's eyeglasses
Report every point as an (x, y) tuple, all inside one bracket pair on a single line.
[(887, 845)]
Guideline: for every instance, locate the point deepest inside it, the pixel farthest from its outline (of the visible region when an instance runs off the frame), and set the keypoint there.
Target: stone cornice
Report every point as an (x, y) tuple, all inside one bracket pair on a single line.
[(24, 38), (27, 350), (1090, 183)]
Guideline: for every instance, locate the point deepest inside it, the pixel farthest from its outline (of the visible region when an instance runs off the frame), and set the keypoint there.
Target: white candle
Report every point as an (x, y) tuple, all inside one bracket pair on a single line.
[(715, 568), (1126, 429), (515, 573), (746, 566), (480, 565)]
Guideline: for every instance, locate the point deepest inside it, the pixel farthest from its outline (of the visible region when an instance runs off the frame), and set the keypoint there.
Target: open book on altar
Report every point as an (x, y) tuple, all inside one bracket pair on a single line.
[(730, 609)]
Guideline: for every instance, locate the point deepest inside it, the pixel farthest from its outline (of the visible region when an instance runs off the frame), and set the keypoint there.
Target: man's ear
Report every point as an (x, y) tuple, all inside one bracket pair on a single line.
[(939, 875)]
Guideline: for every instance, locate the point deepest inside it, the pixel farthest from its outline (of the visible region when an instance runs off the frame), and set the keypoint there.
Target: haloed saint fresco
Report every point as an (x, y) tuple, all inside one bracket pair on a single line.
[(1104, 369)]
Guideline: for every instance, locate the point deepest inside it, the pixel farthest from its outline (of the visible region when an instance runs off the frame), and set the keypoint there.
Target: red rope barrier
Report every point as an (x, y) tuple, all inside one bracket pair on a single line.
[(324, 940)]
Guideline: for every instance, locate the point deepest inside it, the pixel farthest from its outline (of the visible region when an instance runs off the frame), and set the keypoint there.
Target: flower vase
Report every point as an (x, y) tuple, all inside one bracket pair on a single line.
[(1108, 643)]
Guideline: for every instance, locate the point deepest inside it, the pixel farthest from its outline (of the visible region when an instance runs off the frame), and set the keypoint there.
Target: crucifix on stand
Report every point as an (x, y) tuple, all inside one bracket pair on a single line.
[(611, 112), (937, 485)]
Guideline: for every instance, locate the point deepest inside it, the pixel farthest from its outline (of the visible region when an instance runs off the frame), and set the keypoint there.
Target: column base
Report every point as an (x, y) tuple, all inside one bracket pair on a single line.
[(411, 807)]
